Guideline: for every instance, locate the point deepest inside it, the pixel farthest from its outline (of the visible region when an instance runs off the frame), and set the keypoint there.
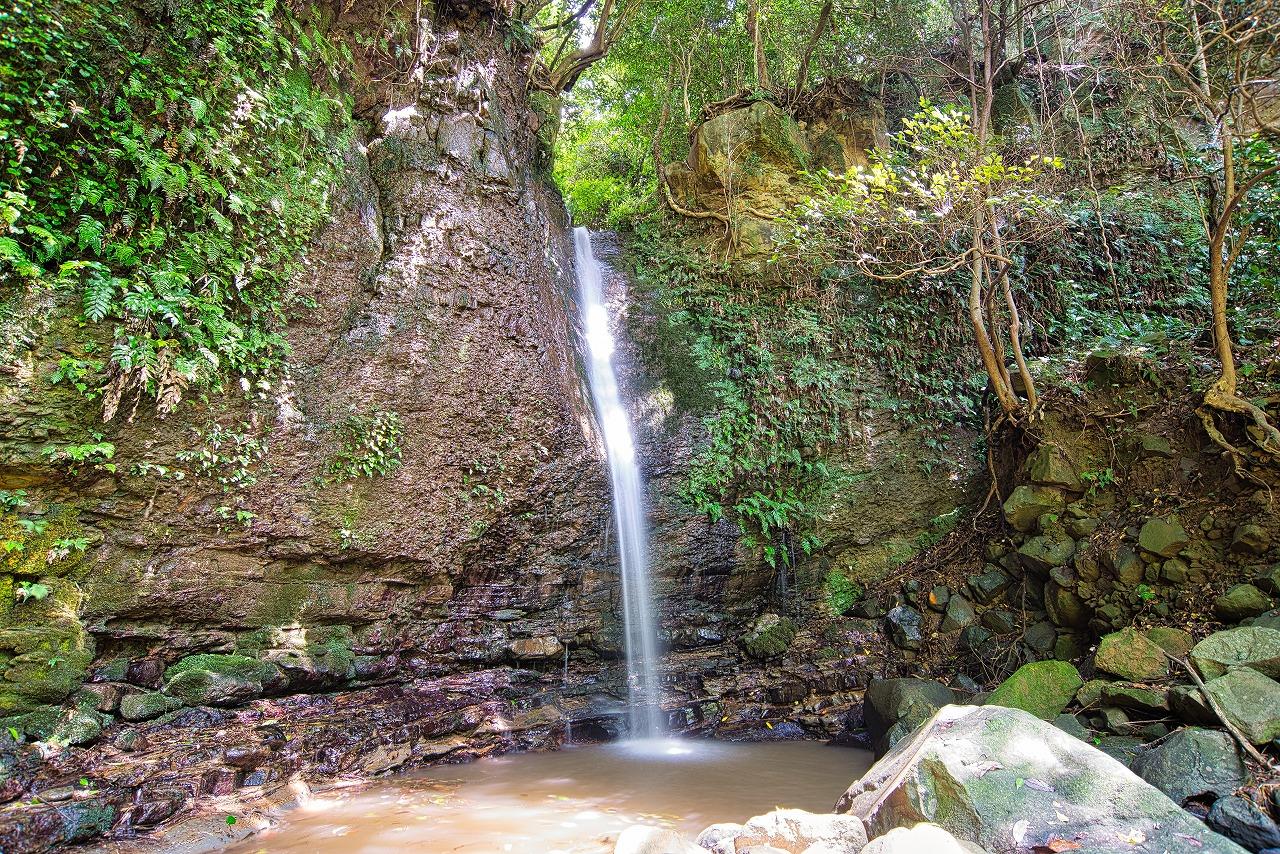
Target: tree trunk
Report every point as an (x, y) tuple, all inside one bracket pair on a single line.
[(757, 43)]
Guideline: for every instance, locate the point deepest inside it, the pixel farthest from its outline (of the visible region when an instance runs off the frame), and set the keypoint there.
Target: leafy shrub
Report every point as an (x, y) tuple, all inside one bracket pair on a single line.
[(370, 446), (169, 162)]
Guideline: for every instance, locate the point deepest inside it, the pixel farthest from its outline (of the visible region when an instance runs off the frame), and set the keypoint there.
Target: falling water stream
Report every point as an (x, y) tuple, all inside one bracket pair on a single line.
[(628, 499), (576, 800)]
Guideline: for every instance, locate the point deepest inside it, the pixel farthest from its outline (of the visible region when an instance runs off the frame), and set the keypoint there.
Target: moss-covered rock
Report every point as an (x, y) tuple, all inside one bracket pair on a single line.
[(148, 705), (1249, 700), (1130, 655), (1173, 641), (1256, 647), (770, 636), (1241, 602), (1164, 537), (1026, 504), (1043, 688), (221, 680)]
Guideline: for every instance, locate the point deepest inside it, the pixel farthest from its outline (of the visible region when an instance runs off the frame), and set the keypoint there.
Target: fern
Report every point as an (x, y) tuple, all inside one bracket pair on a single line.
[(99, 294), (89, 233)]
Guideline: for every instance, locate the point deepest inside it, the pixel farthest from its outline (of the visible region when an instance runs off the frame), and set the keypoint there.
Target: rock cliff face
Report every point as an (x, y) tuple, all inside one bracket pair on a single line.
[(253, 592), (234, 554)]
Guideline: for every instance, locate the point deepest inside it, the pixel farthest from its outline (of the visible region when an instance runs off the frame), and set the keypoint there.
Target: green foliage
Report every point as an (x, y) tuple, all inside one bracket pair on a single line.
[(26, 591), (228, 456), (170, 164), (780, 384), (370, 446), (840, 592), (13, 500), (1096, 480)]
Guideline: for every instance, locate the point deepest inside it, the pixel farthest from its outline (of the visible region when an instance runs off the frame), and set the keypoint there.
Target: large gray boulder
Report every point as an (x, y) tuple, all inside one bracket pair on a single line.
[(1009, 781), (893, 708), (1249, 700), (1192, 764), (1250, 646)]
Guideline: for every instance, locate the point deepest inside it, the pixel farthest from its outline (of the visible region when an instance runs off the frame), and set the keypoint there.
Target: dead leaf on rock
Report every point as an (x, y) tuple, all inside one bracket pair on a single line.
[(1056, 845)]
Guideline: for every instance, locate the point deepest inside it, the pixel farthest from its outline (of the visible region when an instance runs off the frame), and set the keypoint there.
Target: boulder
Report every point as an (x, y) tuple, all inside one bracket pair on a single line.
[(145, 706), (959, 614), (906, 627), (1164, 537), (770, 636), (1249, 700), (888, 702), (792, 831), (1269, 579), (1188, 704), (1043, 553), (644, 839), (1130, 655), (1243, 821), (1000, 622), (1026, 504), (1049, 466), (1171, 640), (718, 838), (1192, 764), (1043, 688), (1256, 647), (1009, 781), (989, 586), (1136, 697), (1250, 539), (1065, 607), (1240, 603), (921, 839)]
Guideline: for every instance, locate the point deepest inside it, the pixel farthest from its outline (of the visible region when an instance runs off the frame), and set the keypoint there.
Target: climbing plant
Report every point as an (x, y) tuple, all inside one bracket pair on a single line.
[(165, 165)]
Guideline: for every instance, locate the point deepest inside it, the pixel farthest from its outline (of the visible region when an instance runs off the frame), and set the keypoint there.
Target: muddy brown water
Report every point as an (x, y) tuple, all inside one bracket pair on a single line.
[(573, 801)]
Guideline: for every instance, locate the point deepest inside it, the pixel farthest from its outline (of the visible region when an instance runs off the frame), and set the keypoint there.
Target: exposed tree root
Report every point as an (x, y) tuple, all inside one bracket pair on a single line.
[(1222, 398), (1217, 710)]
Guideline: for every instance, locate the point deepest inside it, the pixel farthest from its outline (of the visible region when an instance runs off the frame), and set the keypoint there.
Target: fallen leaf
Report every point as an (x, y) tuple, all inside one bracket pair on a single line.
[(1135, 837), (1020, 829), (1056, 845), (1038, 785)]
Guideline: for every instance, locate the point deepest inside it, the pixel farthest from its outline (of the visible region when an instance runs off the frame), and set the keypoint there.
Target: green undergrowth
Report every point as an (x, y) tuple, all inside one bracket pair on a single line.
[(167, 163)]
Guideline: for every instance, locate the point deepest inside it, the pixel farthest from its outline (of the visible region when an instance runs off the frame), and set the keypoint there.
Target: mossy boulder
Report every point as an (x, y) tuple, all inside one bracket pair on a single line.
[(1043, 688), (1173, 641), (1130, 655), (1248, 646), (221, 680), (148, 705), (1240, 603), (1249, 700), (42, 664), (769, 637), (1049, 466), (1026, 504), (1164, 537)]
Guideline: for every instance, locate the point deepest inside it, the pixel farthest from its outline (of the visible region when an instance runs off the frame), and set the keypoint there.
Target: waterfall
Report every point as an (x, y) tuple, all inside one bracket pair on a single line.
[(628, 499)]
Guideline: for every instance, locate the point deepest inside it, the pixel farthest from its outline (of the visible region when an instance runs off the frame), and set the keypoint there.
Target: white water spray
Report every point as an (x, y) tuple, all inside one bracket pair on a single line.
[(628, 500)]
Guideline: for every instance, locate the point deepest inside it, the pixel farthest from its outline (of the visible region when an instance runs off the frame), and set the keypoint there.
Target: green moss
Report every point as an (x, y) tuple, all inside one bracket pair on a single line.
[(1043, 688), (771, 636), (234, 666), (144, 707)]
